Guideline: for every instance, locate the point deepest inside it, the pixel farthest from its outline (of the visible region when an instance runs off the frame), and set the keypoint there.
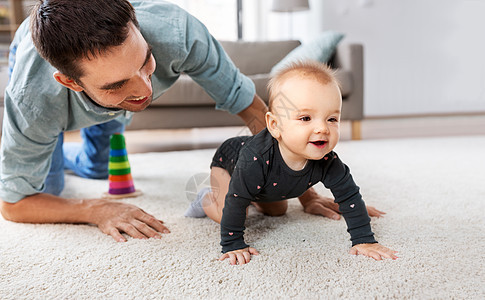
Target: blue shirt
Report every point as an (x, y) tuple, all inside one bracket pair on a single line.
[(38, 109)]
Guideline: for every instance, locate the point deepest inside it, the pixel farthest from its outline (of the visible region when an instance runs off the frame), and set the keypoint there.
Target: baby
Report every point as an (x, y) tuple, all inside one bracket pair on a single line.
[(293, 153)]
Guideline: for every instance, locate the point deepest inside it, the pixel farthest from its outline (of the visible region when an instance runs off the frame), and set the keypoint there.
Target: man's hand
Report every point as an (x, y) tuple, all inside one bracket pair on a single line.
[(376, 251), (241, 256), (374, 212), (315, 204), (113, 218)]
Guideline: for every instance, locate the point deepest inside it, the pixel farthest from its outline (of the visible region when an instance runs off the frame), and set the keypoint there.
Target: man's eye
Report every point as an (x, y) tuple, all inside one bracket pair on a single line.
[(305, 118), (116, 87)]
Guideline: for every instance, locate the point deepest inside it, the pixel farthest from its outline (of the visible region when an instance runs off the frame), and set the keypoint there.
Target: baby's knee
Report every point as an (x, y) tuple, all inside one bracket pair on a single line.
[(277, 212), (274, 209)]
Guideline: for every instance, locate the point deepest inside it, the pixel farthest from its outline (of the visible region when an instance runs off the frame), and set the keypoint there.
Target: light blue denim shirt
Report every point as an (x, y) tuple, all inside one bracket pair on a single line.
[(38, 109)]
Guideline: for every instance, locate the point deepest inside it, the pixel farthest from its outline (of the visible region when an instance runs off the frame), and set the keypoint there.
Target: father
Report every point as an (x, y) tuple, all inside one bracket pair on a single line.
[(88, 65)]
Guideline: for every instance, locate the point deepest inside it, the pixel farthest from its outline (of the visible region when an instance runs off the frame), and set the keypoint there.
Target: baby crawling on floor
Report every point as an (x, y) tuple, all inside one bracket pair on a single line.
[(292, 154)]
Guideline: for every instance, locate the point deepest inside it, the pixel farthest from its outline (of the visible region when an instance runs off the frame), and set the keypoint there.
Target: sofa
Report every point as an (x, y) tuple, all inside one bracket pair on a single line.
[(187, 105)]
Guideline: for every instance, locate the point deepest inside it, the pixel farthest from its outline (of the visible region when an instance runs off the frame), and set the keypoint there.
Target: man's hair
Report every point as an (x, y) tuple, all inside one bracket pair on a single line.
[(67, 31), (302, 69)]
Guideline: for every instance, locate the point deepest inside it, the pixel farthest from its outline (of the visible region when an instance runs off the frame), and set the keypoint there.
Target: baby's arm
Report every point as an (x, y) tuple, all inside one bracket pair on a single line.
[(376, 251), (232, 231), (243, 187), (354, 211), (241, 256)]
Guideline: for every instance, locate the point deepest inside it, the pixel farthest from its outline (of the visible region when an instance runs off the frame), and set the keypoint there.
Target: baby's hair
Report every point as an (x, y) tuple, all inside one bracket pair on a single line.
[(303, 69)]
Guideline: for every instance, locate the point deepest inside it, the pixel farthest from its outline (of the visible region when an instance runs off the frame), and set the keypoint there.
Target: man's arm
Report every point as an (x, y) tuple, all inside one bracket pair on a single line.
[(316, 204), (254, 114), (111, 217)]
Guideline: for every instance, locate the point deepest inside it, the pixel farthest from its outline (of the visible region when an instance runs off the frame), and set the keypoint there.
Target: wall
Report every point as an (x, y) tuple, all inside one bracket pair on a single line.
[(219, 16), (261, 24), (421, 56)]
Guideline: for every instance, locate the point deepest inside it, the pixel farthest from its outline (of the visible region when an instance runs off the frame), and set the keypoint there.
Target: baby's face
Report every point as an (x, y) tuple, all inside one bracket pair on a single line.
[(308, 117)]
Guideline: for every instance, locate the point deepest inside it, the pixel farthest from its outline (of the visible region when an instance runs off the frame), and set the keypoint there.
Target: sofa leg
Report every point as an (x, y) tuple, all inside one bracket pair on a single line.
[(356, 130)]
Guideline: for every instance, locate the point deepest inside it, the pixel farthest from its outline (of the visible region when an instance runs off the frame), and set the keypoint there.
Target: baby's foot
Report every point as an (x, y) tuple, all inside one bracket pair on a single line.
[(195, 209)]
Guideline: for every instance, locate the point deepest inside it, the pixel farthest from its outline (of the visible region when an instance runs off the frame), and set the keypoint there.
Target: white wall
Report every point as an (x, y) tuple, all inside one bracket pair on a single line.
[(261, 24), (219, 16), (421, 56)]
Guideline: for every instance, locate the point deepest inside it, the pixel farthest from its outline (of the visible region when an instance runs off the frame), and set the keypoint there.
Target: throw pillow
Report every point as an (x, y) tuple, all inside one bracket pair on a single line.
[(320, 49)]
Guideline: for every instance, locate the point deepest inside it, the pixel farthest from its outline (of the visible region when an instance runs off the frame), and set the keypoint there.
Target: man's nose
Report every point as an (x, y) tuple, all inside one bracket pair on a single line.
[(144, 85)]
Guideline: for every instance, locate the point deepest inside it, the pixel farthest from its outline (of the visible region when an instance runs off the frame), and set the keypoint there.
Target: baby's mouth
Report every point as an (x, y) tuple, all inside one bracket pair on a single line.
[(319, 144)]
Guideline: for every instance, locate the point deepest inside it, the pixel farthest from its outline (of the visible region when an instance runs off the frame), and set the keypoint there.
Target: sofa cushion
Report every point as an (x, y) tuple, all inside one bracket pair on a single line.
[(320, 49), (185, 92), (257, 57), (345, 81)]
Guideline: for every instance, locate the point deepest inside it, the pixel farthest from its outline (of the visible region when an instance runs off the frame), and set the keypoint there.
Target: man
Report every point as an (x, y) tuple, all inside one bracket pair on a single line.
[(87, 65)]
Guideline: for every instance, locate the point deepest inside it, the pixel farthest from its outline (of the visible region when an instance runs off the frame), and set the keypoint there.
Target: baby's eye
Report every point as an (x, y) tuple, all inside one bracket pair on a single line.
[(333, 120), (305, 118)]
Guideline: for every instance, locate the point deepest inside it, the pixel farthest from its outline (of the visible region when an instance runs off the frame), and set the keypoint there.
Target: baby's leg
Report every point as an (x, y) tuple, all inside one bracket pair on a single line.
[(214, 200), (273, 209)]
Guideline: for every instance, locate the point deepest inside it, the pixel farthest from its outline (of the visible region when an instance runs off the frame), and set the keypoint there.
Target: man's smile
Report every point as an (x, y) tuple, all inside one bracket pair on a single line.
[(139, 100)]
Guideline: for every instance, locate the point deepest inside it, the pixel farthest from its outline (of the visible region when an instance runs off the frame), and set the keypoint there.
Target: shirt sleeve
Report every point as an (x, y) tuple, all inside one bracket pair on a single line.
[(182, 44), (245, 183), (26, 152), (338, 179), (207, 63), (36, 110)]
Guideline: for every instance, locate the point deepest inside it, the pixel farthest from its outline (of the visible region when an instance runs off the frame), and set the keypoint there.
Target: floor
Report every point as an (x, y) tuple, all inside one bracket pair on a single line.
[(372, 128)]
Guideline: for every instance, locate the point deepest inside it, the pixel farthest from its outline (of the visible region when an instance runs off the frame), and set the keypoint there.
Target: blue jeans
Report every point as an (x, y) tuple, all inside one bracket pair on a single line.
[(89, 159)]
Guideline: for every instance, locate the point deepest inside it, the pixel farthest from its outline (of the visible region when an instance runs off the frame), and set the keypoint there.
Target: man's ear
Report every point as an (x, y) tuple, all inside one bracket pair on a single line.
[(272, 125), (67, 82)]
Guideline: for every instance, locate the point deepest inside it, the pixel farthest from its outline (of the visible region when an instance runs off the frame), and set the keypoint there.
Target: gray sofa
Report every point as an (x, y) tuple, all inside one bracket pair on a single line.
[(187, 105)]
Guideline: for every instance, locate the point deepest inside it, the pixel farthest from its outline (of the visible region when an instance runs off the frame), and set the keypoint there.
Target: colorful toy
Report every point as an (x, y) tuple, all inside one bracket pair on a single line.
[(120, 180)]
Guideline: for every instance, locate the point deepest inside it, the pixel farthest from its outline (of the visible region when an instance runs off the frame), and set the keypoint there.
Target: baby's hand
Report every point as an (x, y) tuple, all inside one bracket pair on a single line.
[(376, 251), (241, 256), (374, 212)]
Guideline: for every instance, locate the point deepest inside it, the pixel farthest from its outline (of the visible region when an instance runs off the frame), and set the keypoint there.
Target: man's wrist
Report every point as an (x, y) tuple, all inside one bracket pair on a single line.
[(47, 208), (254, 114), (88, 210)]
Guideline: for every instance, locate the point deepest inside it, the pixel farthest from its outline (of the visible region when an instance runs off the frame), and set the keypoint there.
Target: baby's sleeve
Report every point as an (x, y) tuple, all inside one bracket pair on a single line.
[(338, 179), (243, 187)]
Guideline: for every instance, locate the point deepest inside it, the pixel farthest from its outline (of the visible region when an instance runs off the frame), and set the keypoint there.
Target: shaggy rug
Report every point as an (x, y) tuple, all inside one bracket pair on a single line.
[(432, 189)]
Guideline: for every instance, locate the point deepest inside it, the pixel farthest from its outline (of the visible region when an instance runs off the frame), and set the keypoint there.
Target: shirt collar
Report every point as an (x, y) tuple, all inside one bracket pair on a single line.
[(92, 106)]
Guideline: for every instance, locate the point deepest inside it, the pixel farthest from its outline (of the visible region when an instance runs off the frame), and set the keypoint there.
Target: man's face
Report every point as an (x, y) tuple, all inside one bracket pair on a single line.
[(121, 76)]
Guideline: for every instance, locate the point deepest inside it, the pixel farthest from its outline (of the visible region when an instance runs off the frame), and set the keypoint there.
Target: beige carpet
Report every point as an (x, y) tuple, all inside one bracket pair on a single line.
[(432, 190)]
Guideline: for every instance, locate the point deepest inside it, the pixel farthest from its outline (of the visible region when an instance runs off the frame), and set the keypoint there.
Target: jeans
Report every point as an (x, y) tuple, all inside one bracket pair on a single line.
[(89, 159)]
